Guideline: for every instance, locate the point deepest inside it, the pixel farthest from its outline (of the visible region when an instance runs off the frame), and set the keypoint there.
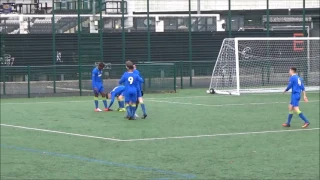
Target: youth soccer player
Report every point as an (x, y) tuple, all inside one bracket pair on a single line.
[(140, 95), (296, 84), (97, 86), (131, 82), (117, 92)]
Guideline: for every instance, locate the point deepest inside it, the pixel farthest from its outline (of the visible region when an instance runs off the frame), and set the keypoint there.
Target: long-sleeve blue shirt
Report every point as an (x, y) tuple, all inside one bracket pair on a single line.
[(117, 91), (138, 73), (96, 78), (296, 84), (131, 81)]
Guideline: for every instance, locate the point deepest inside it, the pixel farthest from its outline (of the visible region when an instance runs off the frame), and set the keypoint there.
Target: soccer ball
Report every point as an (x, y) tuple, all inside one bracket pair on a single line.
[(211, 91)]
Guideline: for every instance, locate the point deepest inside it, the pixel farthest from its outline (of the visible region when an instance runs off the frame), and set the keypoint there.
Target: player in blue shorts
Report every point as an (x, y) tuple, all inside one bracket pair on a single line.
[(140, 95), (131, 82), (97, 86), (296, 84), (117, 93)]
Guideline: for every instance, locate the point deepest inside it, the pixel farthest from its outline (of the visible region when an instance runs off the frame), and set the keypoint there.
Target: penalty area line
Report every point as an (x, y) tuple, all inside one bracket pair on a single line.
[(215, 135), (60, 132), (154, 139), (220, 105)]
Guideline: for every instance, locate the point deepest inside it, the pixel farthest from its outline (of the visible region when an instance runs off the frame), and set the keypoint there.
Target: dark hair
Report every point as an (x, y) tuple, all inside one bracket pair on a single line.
[(294, 69), (101, 64), (130, 66), (128, 63)]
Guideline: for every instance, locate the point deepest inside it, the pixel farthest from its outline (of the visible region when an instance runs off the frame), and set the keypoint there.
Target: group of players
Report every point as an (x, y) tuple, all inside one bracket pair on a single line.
[(129, 92), (130, 89)]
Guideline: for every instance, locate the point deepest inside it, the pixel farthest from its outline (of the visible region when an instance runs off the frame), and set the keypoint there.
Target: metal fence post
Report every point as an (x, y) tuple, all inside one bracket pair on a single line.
[(174, 77), (29, 76), (4, 80), (101, 31), (54, 56), (181, 74), (304, 17), (190, 44), (229, 18), (149, 41), (305, 71), (123, 34), (79, 46)]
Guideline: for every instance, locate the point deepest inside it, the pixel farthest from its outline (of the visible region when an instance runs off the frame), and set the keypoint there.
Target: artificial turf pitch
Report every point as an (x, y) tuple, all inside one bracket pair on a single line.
[(187, 135)]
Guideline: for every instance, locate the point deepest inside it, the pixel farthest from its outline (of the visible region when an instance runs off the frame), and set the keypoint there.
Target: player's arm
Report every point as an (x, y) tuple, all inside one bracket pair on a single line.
[(94, 76), (122, 80), (305, 98), (289, 85), (140, 79), (112, 100)]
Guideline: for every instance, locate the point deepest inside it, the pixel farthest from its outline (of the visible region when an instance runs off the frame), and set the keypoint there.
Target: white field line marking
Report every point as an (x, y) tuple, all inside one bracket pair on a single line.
[(215, 135), (147, 99), (53, 102), (152, 139), (60, 132), (219, 105)]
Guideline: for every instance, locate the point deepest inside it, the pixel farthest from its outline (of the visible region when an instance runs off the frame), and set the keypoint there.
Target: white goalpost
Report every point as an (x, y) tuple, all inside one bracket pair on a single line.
[(261, 65)]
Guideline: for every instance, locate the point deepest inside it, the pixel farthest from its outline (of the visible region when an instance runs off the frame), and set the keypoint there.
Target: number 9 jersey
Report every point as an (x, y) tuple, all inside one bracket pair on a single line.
[(132, 83)]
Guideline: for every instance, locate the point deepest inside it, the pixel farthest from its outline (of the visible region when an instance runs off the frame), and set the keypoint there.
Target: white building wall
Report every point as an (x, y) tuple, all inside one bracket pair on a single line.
[(207, 5)]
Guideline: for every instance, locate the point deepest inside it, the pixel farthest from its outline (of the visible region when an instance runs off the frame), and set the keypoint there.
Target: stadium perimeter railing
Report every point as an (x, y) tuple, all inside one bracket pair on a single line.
[(54, 53), (36, 81)]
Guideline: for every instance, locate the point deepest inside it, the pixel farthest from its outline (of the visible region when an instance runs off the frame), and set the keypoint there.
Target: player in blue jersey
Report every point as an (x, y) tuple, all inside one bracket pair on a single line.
[(140, 95), (97, 86), (297, 86), (117, 93), (131, 82)]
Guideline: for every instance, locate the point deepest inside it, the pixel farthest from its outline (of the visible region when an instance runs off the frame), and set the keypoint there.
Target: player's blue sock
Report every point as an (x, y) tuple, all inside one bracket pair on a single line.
[(128, 110), (302, 117), (290, 117), (96, 102), (121, 104), (133, 109), (143, 108), (105, 103)]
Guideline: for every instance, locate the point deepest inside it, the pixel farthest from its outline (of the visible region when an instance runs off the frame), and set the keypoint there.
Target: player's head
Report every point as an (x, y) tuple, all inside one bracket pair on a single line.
[(129, 65), (292, 70), (108, 96), (100, 65)]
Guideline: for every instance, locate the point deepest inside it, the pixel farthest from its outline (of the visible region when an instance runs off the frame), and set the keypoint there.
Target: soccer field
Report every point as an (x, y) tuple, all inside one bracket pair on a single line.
[(187, 135)]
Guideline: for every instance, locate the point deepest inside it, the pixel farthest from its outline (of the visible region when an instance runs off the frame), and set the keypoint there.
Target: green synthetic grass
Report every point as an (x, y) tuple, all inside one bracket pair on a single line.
[(33, 154)]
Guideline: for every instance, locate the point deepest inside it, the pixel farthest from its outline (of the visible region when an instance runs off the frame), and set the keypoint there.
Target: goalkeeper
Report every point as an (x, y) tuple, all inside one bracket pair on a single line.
[(117, 92), (296, 84)]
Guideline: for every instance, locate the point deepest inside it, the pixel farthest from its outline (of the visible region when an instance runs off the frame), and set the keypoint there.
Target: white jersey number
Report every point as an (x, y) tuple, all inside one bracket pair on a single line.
[(299, 82), (130, 79)]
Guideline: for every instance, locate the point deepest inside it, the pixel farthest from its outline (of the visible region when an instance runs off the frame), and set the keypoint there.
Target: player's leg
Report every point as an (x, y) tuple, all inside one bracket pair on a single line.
[(127, 100), (96, 100), (143, 107), (133, 105), (104, 98), (301, 115), (295, 104), (121, 103), (290, 107)]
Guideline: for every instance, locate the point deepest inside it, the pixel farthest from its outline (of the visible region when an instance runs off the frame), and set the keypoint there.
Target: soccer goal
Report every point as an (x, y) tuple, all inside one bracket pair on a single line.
[(261, 65)]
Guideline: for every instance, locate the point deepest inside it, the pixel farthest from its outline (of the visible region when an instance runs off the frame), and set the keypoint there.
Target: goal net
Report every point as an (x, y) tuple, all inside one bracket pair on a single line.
[(261, 65)]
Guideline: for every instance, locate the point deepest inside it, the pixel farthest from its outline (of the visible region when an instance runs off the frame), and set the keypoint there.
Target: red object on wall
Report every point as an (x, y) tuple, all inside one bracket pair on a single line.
[(297, 44)]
